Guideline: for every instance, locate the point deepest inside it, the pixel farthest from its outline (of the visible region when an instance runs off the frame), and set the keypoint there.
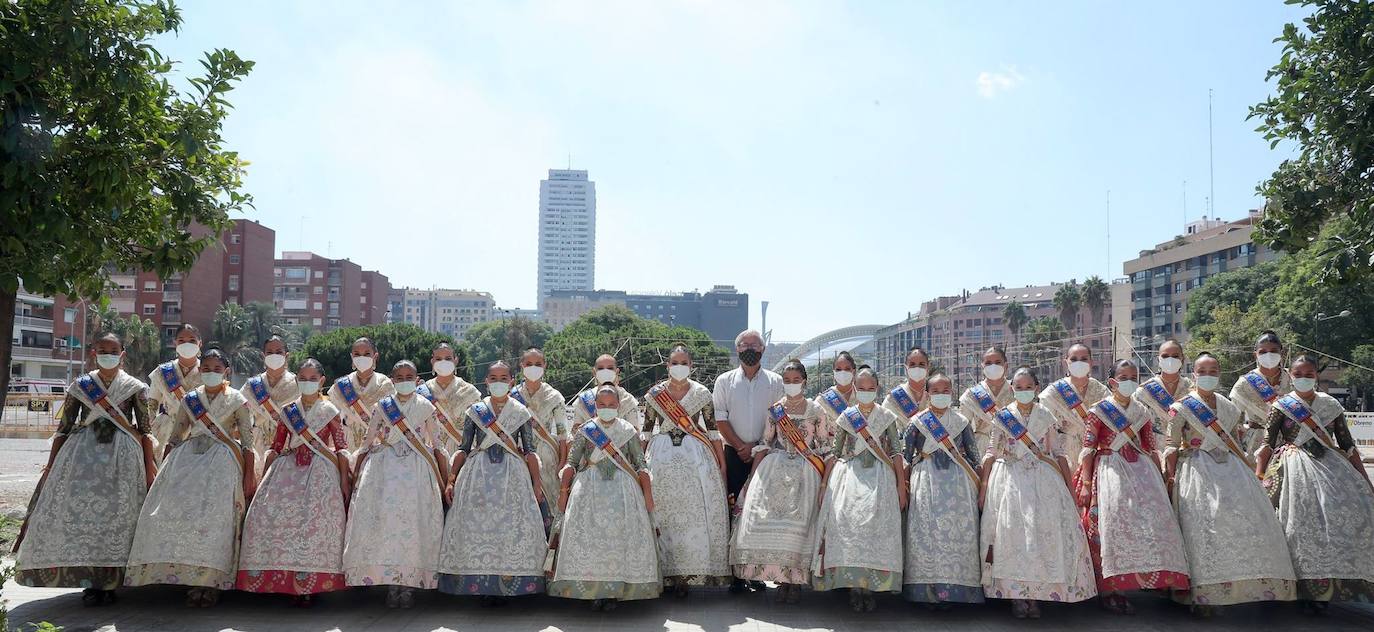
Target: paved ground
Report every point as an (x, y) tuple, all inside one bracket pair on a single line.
[(20, 461)]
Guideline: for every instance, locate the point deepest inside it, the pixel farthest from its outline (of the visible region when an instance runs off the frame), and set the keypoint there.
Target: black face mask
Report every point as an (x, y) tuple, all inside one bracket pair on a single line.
[(750, 357)]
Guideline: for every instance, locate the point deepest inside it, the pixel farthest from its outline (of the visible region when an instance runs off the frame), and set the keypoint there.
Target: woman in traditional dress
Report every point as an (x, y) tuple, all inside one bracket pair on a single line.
[(1068, 399), (913, 389), (550, 425), (81, 520), (942, 564), (358, 392), (396, 518), (1319, 486), (279, 384), (293, 534), (1132, 532), (834, 400), (188, 530), (1160, 392), (606, 551), (773, 535), (688, 468), (171, 381), (1234, 545), (1033, 548), (605, 370), (1255, 392), (495, 536), (859, 534), (451, 396), (993, 393)]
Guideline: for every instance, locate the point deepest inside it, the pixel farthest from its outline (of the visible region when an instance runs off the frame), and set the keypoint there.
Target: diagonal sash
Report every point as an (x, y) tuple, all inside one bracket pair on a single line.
[(1070, 397), (941, 436), (352, 399), (258, 387), (984, 398), (295, 422), (393, 413), (1155, 389), (833, 399), (675, 412), (445, 420), (602, 441), (1297, 410), (539, 428), (1118, 419), (172, 380), (1262, 386), (1018, 431), (196, 406), (93, 391), (793, 434), (1208, 419), (859, 424), (487, 418), (588, 399)]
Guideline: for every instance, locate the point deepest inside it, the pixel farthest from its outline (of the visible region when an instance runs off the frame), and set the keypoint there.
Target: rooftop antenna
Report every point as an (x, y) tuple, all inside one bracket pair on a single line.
[(1211, 170), (570, 161), (1109, 234)]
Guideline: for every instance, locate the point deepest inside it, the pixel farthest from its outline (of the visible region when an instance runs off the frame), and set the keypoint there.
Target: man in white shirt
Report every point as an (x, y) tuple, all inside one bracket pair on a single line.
[(741, 398)]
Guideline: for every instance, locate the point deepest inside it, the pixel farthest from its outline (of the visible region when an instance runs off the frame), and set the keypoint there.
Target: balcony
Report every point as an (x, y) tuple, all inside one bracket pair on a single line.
[(34, 353), (171, 317), (30, 321), (171, 296)]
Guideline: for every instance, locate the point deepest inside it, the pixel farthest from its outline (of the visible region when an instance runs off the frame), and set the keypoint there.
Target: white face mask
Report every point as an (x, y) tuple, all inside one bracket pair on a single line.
[(498, 389), (866, 397), (1170, 365), (362, 363), (1025, 397), (679, 372), (1079, 368), (533, 372), (274, 361), (307, 387), (107, 360), (212, 379), (1207, 382), (1270, 360), (941, 400), (1126, 387), (792, 390), (445, 368), (607, 414), (994, 371), (605, 375), (915, 373), (188, 350), (1304, 384), (405, 388), (843, 378)]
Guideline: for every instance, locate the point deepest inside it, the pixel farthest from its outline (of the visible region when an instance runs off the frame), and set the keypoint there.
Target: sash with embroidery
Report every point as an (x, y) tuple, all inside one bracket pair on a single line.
[(1120, 423), (588, 399), (393, 413), (941, 436), (602, 441), (904, 401), (172, 380), (351, 398), (487, 418), (1018, 432), (1070, 397), (1155, 389), (1262, 387), (1208, 419), (258, 387), (91, 388), (794, 435), (295, 422), (860, 426), (832, 398), (674, 410), (984, 398), (445, 420), (1297, 410), (197, 409), (539, 429)]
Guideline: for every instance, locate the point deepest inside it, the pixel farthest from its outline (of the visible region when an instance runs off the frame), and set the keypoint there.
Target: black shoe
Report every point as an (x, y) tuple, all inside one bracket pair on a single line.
[(758, 586), (92, 597), (739, 587)]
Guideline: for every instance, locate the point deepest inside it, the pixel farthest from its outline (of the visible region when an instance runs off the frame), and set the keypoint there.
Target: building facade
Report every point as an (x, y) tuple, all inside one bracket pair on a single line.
[(325, 294), (396, 305), (374, 298), (722, 312), (561, 307), (451, 312), (249, 250), (38, 350), (567, 233)]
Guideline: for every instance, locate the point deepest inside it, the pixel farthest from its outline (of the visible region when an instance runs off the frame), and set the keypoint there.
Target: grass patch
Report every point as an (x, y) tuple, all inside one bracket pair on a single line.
[(9, 530)]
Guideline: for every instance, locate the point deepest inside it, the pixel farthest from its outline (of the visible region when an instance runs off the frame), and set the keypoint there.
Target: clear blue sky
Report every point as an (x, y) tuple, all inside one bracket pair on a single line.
[(843, 161)]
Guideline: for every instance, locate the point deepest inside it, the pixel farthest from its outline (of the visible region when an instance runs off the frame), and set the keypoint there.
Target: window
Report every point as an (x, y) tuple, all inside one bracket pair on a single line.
[(297, 274), (318, 321), (235, 238), (149, 309), (233, 282), (150, 286), (319, 274), (318, 289), (234, 260)]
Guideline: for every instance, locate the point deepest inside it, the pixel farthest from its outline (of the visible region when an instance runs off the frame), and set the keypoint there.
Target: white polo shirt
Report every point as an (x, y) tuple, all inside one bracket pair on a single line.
[(744, 402)]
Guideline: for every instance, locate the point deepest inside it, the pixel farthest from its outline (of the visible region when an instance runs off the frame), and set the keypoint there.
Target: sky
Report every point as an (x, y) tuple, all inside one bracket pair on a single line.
[(843, 161)]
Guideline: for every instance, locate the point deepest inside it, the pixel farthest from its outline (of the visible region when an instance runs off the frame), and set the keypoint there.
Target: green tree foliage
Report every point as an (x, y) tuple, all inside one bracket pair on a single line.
[(1361, 378), (1068, 299), (1096, 294), (1230, 335), (640, 345), (143, 349), (1044, 337), (104, 165), (232, 331), (1236, 287), (263, 322), (395, 342), (1323, 97), (502, 339), (1015, 316)]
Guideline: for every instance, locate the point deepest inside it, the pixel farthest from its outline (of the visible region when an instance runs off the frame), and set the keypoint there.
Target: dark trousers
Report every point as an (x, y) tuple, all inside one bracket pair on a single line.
[(736, 473)]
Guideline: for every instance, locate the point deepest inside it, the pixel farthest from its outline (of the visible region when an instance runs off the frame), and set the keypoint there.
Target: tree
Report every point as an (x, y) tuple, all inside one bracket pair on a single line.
[(142, 342), (232, 331), (1230, 336), (395, 342), (640, 346), (297, 335), (106, 166), (1096, 294), (1242, 288), (502, 339), (1015, 316), (1045, 337), (1361, 377), (1324, 93), (1068, 300), (263, 321)]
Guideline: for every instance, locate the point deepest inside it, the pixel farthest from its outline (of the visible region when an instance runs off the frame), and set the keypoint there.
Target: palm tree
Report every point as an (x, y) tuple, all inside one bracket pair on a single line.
[(1096, 293), (1045, 336), (1068, 300), (232, 332), (263, 320), (1015, 316)]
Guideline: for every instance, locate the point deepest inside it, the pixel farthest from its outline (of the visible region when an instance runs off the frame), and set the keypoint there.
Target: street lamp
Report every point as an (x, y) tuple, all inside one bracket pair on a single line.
[(1322, 317)]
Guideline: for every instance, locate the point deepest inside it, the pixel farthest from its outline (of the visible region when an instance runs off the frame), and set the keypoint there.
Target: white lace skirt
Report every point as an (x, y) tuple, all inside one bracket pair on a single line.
[(690, 510), (296, 521), (1327, 512)]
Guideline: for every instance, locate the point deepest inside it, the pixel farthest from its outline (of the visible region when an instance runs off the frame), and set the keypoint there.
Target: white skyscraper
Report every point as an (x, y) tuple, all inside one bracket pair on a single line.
[(567, 232)]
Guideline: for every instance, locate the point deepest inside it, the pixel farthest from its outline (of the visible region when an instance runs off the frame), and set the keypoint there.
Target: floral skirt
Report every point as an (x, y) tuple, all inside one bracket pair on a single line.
[(289, 582), (862, 578), (587, 589), (942, 593), (773, 573), (492, 585), (97, 577)]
